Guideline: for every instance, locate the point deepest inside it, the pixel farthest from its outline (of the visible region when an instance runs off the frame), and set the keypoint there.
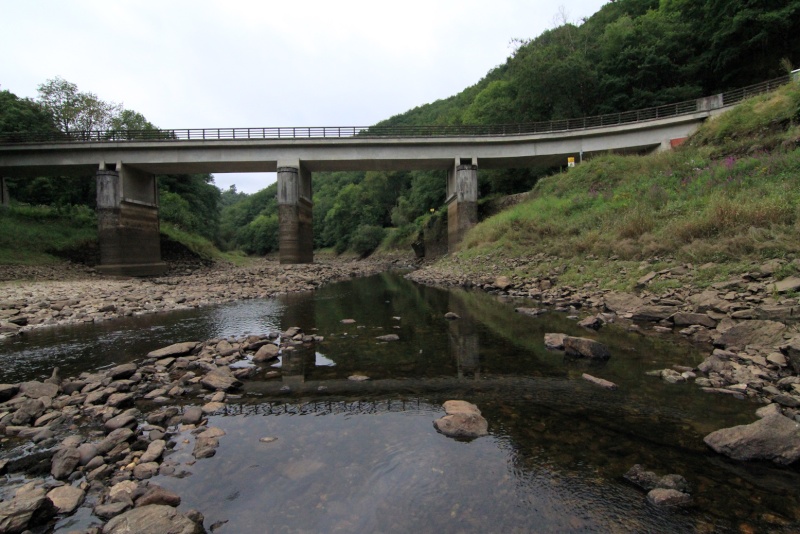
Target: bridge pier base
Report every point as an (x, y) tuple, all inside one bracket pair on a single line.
[(295, 215), (127, 223), (5, 200), (462, 201)]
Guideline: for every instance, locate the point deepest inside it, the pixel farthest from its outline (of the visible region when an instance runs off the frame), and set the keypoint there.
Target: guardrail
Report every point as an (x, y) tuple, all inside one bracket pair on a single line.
[(344, 132)]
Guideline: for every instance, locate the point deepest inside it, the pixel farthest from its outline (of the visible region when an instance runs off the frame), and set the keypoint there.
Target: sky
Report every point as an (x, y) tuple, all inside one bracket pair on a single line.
[(240, 63)]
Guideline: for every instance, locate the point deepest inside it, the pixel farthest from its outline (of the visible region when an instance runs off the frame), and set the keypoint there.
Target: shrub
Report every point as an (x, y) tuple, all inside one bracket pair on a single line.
[(366, 239)]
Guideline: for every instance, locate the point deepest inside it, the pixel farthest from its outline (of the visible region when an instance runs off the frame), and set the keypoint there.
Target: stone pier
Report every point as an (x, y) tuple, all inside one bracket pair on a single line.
[(462, 200), (127, 220), (295, 231)]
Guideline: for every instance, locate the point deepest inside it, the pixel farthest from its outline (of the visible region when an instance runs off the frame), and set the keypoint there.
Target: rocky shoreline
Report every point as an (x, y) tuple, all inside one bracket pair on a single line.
[(748, 323), (74, 295), (95, 441)]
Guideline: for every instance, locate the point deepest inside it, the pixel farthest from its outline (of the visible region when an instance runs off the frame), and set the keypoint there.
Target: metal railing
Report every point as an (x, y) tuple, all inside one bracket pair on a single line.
[(348, 132)]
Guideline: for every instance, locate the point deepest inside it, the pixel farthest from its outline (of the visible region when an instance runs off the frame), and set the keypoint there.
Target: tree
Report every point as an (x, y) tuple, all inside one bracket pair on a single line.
[(75, 111)]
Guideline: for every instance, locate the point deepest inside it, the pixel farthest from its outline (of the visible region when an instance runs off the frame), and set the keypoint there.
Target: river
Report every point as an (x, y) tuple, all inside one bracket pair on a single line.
[(365, 457)]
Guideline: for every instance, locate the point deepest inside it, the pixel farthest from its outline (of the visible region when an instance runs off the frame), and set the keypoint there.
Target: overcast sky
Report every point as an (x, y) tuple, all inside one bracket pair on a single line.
[(209, 64)]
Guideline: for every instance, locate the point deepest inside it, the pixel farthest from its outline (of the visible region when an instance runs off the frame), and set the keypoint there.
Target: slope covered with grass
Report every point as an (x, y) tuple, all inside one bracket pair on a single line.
[(731, 195)]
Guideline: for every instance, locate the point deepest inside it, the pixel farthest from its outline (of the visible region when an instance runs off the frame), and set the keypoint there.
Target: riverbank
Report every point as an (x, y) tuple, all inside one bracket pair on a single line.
[(72, 294), (748, 323)]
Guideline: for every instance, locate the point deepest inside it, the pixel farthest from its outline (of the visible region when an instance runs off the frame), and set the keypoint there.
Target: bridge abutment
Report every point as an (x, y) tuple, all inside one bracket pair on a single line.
[(127, 223), (295, 215), (462, 201)]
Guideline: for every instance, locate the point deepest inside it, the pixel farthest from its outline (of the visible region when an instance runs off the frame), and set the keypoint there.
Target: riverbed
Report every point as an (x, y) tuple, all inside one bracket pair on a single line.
[(364, 456)]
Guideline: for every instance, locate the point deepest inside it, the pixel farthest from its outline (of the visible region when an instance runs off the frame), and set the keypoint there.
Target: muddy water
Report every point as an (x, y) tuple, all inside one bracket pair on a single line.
[(364, 457)]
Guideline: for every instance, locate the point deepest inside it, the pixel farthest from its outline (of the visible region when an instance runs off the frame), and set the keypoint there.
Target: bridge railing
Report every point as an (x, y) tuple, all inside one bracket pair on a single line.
[(345, 132)]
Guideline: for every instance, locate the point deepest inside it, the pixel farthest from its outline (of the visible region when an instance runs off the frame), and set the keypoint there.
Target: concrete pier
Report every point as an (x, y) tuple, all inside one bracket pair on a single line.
[(462, 200), (295, 215), (127, 221)]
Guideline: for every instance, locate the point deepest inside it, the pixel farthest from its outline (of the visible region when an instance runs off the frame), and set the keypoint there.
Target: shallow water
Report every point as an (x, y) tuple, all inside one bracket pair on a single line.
[(357, 457)]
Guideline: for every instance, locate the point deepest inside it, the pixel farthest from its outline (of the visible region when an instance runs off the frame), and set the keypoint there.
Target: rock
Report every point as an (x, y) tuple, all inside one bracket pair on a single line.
[(178, 349), (347, 321), (689, 319), (622, 302), (791, 283), (122, 420), (462, 425), (7, 391), (192, 415), (641, 477), (358, 378), (205, 447), (502, 283), (646, 279), (760, 333), (584, 347), (123, 491), (554, 341), (213, 407), (774, 437), (388, 337), (64, 462), (709, 301), (121, 372), (266, 353), (87, 452), (112, 509), (146, 470), (653, 313), (120, 400), (792, 352), (459, 406), (116, 437), (778, 359), (668, 497), (599, 381), (452, 316), (158, 495), (267, 439), (28, 507), (154, 451), (66, 498), (220, 379), (152, 519), (35, 389), (673, 481), (592, 322)]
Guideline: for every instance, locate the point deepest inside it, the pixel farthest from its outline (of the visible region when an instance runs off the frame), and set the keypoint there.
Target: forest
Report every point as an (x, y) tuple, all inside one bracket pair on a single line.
[(631, 54)]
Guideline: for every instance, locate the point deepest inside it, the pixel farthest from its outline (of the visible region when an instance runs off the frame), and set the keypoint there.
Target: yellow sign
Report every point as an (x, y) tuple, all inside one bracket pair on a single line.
[(570, 162)]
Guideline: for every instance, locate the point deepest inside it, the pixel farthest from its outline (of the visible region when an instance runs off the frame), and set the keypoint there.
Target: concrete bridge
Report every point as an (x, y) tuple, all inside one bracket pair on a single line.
[(125, 164)]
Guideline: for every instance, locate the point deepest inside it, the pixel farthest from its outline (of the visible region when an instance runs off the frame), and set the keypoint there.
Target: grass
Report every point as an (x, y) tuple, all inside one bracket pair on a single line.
[(202, 247), (730, 196), (35, 235)]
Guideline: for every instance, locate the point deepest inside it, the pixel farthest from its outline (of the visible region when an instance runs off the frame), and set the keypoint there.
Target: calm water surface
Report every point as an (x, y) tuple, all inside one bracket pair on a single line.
[(364, 457)]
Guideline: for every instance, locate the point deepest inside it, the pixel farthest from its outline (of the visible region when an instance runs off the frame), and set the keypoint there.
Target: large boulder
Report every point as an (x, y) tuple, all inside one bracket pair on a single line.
[(759, 333), (178, 349), (35, 389), (152, 519), (463, 420), (653, 313), (774, 437), (585, 348)]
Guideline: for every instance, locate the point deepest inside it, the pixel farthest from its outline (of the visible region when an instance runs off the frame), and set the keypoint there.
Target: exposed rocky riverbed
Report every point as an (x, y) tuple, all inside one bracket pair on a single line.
[(70, 294), (748, 323), (93, 442)]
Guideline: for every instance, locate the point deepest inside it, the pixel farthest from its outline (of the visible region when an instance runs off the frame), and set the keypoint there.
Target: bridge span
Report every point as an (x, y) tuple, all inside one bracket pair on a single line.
[(126, 163)]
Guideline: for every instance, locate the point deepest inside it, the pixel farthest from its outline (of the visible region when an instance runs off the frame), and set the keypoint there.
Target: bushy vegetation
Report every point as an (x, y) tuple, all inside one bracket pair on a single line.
[(721, 197), (41, 234)]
